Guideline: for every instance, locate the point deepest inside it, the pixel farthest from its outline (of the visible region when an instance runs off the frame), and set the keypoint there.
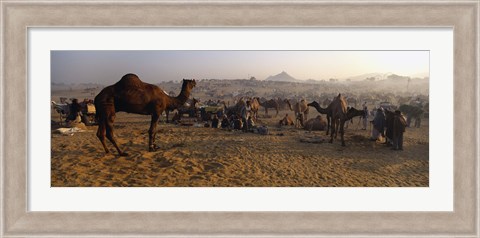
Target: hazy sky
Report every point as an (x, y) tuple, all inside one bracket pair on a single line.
[(107, 67)]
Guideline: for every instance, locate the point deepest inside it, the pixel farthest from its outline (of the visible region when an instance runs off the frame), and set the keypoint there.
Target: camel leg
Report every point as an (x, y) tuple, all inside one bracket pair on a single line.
[(332, 128), (152, 132), (101, 133), (277, 112), (328, 124), (342, 124), (336, 129), (109, 129)]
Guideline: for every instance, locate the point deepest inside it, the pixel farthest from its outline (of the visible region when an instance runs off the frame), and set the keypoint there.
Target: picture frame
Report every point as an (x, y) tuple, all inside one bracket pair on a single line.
[(18, 16)]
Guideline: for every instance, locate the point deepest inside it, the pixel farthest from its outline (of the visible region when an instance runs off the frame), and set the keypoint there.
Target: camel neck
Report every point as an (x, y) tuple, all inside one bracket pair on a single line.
[(320, 109), (182, 97), (289, 105)]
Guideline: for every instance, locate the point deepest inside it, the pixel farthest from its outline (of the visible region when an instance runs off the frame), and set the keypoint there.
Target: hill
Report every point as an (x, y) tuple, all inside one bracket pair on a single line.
[(282, 77)]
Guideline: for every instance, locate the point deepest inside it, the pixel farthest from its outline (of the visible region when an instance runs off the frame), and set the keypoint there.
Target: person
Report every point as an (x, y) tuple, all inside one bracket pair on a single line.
[(75, 110), (365, 116), (225, 123), (379, 123), (409, 119), (237, 123), (399, 125), (215, 121), (389, 117), (245, 113), (232, 120), (250, 123), (418, 121)]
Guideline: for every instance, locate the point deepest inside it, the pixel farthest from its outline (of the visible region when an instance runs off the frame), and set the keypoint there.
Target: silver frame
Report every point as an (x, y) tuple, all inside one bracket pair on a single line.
[(18, 15)]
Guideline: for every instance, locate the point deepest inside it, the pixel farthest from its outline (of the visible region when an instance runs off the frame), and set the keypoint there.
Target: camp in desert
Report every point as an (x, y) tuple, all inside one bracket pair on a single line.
[(240, 123)]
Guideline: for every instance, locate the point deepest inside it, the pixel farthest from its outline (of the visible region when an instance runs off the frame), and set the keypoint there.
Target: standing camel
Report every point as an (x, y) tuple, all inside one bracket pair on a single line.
[(237, 108), (132, 95), (255, 105), (353, 112), (301, 111), (327, 111), (413, 112), (272, 103), (339, 116)]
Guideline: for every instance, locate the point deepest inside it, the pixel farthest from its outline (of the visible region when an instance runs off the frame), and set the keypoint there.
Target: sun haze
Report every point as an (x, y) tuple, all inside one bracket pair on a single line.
[(107, 67)]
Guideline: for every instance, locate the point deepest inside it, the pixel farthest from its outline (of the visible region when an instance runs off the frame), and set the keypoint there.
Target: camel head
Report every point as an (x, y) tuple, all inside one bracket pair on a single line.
[(313, 104), (189, 84)]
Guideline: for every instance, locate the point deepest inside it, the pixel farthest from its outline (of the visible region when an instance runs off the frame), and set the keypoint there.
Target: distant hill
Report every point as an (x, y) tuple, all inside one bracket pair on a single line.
[(283, 77), (387, 76), (377, 76)]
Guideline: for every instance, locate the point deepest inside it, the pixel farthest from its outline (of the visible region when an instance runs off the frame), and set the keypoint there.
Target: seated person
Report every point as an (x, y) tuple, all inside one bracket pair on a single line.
[(225, 122), (215, 121)]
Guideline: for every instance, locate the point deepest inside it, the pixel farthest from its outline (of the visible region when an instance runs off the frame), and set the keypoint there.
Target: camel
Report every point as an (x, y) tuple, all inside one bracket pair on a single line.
[(282, 105), (270, 104), (132, 95), (255, 105), (327, 111), (301, 111), (286, 121), (353, 112), (316, 124), (237, 108), (339, 116), (413, 112)]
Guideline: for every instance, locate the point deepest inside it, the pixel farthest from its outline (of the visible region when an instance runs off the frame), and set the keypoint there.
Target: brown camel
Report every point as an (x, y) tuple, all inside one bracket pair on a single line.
[(327, 111), (301, 111), (316, 124), (132, 95), (282, 105), (237, 108), (351, 113), (339, 116), (255, 105), (286, 121), (272, 103)]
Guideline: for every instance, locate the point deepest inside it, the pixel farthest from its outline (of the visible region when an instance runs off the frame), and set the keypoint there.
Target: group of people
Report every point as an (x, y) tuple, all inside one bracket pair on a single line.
[(237, 121), (390, 125)]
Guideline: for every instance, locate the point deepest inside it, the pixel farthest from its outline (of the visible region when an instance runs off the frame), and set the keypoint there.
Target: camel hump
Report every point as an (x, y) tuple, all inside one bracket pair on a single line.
[(129, 81)]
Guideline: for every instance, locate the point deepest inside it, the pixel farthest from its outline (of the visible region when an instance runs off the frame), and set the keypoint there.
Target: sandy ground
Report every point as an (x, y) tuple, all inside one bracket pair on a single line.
[(197, 156)]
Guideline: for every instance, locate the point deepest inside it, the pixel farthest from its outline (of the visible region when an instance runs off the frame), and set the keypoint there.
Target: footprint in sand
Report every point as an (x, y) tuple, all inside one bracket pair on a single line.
[(195, 177), (163, 163), (213, 166)]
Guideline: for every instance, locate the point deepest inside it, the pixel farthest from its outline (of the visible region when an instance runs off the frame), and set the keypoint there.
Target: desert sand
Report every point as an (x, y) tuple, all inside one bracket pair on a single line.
[(208, 157)]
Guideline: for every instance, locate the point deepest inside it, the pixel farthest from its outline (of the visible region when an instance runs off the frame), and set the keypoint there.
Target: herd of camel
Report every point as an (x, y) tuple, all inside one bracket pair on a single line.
[(132, 95)]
